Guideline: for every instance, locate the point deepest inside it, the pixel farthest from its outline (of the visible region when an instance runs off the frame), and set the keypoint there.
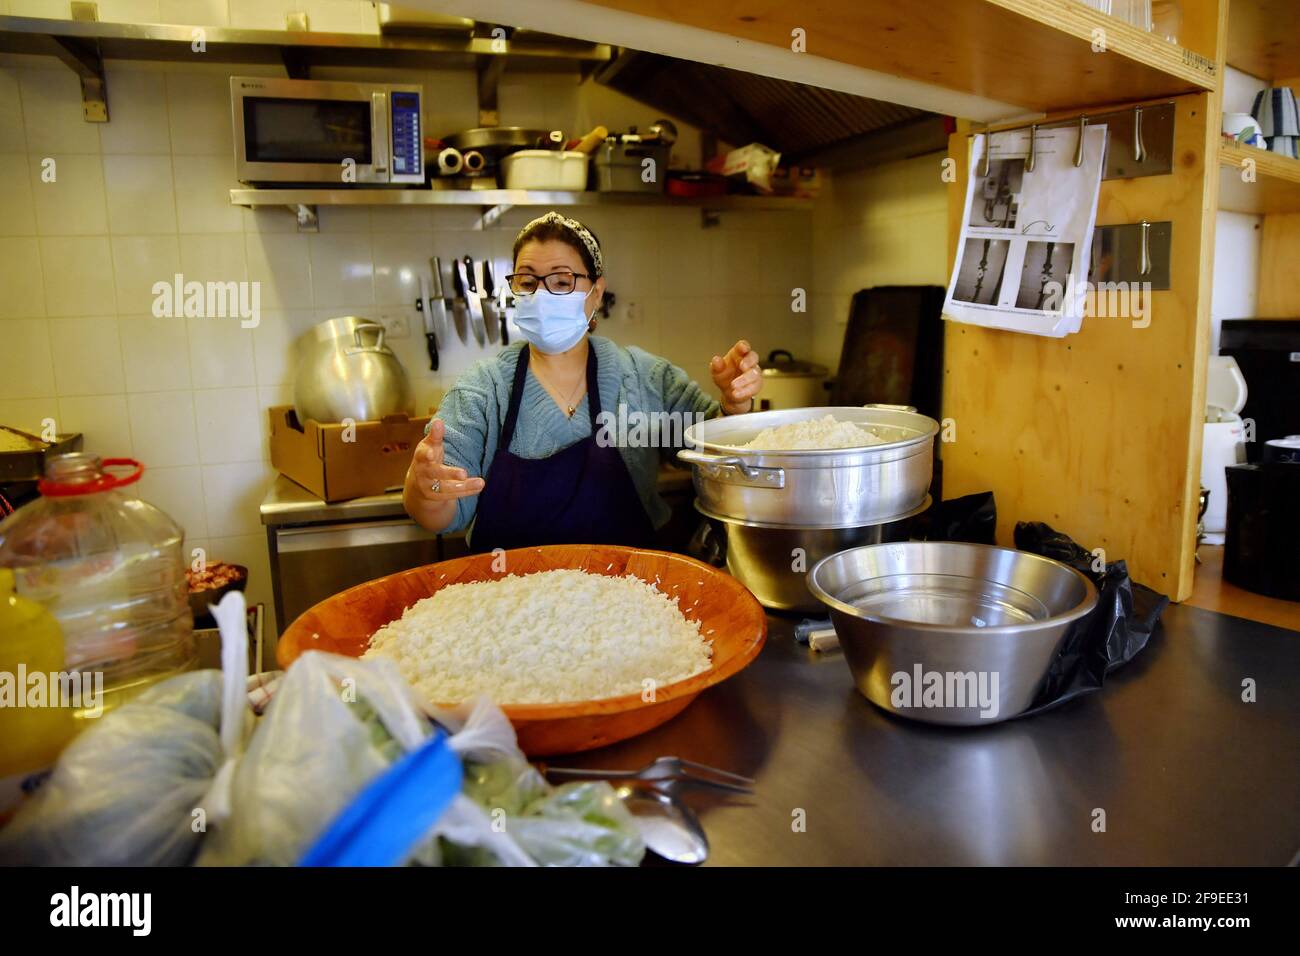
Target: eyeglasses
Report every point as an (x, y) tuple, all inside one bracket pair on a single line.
[(557, 283)]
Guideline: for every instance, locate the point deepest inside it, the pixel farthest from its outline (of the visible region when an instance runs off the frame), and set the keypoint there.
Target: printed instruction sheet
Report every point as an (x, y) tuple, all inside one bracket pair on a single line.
[(1022, 260)]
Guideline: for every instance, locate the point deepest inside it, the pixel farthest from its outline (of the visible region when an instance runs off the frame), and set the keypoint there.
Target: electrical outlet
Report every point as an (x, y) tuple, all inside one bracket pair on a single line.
[(397, 325), (632, 313)]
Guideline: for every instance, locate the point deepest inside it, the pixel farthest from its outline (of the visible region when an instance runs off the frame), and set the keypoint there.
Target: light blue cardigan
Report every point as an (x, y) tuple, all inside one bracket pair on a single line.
[(474, 411)]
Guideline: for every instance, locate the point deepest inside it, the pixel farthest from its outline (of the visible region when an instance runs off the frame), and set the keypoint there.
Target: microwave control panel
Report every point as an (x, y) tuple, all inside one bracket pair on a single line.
[(408, 163)]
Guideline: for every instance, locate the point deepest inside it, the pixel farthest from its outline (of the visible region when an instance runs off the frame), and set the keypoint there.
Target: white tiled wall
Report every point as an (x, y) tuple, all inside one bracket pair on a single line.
[(887, 225), (143, 197), (1236, 235)]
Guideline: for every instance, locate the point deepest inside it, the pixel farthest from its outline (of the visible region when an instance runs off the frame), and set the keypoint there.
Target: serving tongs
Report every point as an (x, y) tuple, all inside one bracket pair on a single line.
[(664, 770)]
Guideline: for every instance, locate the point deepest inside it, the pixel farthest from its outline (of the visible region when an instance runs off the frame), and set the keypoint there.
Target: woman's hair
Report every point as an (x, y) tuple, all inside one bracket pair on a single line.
[(557, 228)]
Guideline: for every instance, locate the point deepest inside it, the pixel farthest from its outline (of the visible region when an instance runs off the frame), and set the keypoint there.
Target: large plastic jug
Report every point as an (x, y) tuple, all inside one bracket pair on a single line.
[(35, 724), (110, 568)]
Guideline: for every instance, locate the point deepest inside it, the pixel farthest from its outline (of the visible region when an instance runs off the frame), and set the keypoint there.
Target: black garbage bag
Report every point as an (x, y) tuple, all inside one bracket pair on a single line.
[(972, 518), (1110, 637)]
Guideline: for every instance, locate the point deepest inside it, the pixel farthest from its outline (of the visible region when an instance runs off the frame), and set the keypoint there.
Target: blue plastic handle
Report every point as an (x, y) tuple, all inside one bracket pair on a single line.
[(393, 812)]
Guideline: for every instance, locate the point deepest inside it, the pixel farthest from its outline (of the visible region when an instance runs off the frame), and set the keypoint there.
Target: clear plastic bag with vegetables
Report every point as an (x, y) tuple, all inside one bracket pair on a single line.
[(575, 824), (336, 724), (333, 724)]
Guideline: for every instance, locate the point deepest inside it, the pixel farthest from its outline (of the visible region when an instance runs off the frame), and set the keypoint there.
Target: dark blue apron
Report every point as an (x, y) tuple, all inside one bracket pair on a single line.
[(582, 494)]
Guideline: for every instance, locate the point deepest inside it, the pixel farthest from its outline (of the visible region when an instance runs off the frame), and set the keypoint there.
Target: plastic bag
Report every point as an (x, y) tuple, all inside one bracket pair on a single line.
[(333, 725), (574, 824), (506, 813), (972, 518), (1116, 631), (578, 824), (141, 786), (124, 792)]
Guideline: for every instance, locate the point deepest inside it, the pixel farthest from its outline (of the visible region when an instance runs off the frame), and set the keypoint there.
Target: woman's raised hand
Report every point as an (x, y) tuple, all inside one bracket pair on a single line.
[(433, 479), (738, 377)]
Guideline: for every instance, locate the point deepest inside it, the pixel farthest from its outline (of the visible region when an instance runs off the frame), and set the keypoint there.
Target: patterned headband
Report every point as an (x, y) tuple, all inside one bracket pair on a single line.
[(578, 229)]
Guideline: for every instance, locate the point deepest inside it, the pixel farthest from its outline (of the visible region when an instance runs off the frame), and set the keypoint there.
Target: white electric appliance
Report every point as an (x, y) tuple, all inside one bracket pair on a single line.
[(1224, 443)]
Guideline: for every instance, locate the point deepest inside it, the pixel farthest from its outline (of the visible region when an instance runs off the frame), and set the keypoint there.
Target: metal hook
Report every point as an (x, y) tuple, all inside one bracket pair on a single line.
[(1144, 265), (1033, 134), (1139, 150), (1078, 150), (984, 160)]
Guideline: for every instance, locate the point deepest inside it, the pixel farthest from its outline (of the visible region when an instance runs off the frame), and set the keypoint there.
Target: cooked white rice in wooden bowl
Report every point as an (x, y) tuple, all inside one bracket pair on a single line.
[(581, 645)]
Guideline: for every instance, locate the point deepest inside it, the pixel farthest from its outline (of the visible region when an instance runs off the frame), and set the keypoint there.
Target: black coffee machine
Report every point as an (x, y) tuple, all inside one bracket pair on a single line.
[(1261, 550)]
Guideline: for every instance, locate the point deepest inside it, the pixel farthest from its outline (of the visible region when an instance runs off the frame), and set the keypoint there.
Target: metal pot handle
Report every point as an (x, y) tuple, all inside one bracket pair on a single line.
[(716, 466), (715, 462), (360, 346), (891, 408)]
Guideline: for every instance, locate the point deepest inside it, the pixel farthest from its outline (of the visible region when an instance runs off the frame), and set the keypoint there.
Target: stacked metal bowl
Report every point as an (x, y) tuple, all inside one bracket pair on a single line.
[(781, 512), (947, 632)]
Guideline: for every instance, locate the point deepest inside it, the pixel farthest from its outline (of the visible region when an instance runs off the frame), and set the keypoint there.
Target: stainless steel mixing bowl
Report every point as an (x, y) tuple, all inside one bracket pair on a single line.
[(946, 632)]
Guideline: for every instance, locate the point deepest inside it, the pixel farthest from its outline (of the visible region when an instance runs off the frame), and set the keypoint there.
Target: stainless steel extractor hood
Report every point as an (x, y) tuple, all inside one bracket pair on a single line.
[(805, 123)]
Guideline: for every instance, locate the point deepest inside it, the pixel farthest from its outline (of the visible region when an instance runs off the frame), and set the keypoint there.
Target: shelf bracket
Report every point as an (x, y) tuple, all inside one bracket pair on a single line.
[(492, 215), (296, 64), (306, 215), (84, 59), (489, 70)]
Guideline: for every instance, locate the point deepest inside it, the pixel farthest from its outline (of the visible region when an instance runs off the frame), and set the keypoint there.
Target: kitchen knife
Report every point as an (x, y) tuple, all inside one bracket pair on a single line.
[(430, 330), (473, 297), (438, 297), (481, 279), (497, 304)]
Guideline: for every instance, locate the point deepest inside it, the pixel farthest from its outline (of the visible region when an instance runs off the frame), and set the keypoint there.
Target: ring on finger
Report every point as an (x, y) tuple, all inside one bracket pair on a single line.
[(436, 487)]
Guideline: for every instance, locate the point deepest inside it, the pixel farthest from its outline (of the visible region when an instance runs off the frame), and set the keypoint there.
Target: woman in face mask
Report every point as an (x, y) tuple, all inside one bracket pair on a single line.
[(527, 445)]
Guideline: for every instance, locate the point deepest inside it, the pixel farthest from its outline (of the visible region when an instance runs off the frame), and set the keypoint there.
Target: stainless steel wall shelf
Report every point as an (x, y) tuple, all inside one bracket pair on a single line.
[(494, 203), (84, 43)]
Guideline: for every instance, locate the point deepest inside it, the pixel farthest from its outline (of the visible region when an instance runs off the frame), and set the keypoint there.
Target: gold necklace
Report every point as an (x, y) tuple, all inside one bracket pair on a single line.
[(569, 403)]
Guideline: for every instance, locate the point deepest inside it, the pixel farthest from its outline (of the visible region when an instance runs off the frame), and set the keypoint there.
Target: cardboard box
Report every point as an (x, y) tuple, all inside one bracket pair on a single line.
[(338, 462)]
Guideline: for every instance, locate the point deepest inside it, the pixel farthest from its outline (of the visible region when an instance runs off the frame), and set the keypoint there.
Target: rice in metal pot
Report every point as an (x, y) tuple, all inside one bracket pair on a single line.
[(814, 433)]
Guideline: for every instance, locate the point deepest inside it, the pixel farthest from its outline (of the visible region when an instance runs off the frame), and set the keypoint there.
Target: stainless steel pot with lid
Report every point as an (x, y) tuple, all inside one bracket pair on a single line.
[(813, 489), (789, 382), (345, 371)]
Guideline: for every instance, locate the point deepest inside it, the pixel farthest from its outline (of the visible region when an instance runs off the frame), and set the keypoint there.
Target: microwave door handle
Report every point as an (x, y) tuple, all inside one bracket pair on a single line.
[(380, 142)]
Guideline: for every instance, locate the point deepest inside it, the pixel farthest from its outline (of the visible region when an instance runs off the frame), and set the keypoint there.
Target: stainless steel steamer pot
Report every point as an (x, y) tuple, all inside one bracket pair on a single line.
[(772, 561), (815, 489)]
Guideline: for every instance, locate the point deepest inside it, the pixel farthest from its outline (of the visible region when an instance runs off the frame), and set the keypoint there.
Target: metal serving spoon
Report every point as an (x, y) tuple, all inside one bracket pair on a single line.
[(669, 828)]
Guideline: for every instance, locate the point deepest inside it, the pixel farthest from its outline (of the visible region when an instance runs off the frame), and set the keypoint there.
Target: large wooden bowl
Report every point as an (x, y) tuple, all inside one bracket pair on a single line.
[(343, 624)]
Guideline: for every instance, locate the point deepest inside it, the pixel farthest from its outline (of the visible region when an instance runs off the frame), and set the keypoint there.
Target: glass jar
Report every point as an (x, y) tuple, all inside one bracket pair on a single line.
[(111, 570)]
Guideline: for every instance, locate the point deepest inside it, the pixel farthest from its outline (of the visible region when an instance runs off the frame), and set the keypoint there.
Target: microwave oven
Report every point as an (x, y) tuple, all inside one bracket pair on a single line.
[(321, 131)]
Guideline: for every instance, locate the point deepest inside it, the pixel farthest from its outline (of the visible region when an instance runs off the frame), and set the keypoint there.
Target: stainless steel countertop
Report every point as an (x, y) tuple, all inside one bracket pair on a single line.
[(1186, 773), (290, 503)]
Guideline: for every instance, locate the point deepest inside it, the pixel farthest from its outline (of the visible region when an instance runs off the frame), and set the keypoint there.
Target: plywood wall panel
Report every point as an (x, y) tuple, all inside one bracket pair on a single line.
[(1098, 433), (1279, 267)]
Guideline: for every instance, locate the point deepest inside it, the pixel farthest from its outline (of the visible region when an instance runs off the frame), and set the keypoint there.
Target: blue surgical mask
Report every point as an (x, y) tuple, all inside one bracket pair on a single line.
[(553, 323)]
